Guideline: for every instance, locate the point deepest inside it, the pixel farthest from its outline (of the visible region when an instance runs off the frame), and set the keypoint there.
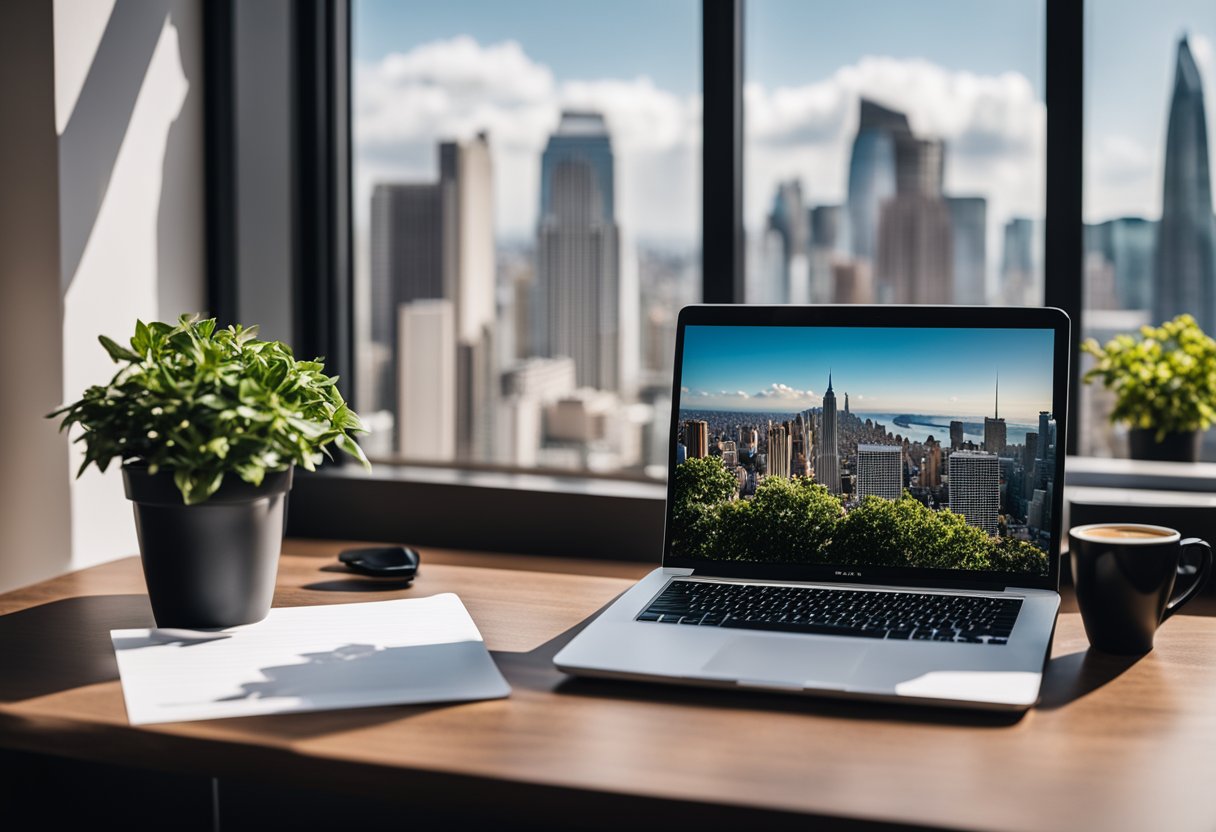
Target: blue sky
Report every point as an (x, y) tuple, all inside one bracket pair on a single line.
[(934, 371), (793, 44)]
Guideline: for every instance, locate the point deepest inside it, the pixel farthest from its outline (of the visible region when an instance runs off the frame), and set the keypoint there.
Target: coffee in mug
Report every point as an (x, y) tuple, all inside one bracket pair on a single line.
[(1124, 577)]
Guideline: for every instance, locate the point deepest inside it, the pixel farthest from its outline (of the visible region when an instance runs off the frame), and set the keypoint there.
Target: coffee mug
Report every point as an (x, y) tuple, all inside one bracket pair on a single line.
[(1124, 577)]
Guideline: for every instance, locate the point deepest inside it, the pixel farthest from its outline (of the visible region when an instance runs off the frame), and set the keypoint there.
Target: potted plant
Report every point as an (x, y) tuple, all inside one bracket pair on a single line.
[(1164, 384), (209, 424)]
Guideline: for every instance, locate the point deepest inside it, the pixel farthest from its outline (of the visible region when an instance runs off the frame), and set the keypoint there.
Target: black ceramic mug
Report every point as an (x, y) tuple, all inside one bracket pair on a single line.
[(1124, 577)]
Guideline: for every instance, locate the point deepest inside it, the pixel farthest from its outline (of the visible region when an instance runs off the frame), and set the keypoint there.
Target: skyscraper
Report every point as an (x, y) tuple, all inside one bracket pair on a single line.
[(696, 438), (435, 241), (975, 488), (914, 258), (788, 222), (426, 410), (956, 435), (1022, 263), (880, 471), (872, 173), (827, 460), (994, 427), (826, 247), (779, 451), (578, 252), (969, 230), (1186, 239), (406, 265)]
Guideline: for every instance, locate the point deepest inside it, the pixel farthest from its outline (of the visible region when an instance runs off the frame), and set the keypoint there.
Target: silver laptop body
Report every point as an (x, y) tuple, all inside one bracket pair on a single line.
[(864, 496)]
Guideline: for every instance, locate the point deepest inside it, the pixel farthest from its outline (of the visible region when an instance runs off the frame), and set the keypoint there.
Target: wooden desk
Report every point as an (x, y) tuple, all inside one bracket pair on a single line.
[(1116, 744)]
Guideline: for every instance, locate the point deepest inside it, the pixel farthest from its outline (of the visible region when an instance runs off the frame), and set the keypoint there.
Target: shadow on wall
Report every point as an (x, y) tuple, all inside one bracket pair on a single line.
[(93, 136)]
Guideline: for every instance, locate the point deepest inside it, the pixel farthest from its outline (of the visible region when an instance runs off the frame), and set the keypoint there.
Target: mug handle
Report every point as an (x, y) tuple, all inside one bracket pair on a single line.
[(1201, 577)]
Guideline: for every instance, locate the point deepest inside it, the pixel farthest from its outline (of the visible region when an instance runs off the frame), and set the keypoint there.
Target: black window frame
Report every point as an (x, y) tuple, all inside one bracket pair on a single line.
[(539, 513)]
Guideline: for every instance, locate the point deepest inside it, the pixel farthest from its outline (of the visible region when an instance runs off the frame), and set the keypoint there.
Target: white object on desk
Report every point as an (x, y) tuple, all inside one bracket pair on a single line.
[(309, 659)]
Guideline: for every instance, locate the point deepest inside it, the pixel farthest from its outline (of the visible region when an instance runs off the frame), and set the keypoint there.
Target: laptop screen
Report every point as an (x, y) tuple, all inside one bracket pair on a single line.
[(853, 448)]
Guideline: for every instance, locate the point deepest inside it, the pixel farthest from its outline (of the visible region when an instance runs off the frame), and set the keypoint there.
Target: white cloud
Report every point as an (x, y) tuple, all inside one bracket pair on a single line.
[(406, 103)]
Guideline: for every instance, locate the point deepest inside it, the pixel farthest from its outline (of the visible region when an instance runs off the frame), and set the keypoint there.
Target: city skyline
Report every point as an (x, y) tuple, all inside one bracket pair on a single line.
[(787, 368)]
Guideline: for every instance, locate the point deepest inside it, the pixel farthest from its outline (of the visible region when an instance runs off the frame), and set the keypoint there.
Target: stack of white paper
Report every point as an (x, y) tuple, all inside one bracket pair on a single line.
[(309, 659)]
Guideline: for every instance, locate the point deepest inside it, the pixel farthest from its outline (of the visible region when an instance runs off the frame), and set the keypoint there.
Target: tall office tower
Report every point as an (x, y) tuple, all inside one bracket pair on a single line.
[(779, 451), (975, 488), (406, 265), (994, 426), (788, 222), (827, 459), (696, 438), (466, 173), (969, 230), (931, 464), (956, 435), (1186, 239), (426, 409), (846, 404), (880, 471), (1037, 511), (730, 454), (798, 438), (1126, 246), (914, 259), (827, 246), (1029, 454), (578, 252), (852, 282), (1022, 263), (436, 241), (1044, 435), (872, 173)]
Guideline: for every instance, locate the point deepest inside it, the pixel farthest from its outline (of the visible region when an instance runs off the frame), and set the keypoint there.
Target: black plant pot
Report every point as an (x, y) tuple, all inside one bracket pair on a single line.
[(213, 564), (1180, 446)]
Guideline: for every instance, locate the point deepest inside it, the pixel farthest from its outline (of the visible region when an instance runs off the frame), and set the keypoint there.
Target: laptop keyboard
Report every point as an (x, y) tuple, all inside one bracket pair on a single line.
[(908, 616)]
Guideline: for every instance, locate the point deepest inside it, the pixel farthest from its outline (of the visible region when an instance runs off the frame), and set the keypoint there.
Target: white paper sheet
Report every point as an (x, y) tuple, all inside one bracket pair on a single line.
[(309, 659)]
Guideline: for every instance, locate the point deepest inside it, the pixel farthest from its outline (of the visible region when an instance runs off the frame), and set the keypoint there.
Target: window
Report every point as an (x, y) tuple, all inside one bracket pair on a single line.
[(1150, 235), (526, 224), (894, 152)]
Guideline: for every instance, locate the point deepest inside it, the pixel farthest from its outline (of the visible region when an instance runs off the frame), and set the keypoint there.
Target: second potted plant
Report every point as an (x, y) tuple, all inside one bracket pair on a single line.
[(1164, 384), (209, 424)]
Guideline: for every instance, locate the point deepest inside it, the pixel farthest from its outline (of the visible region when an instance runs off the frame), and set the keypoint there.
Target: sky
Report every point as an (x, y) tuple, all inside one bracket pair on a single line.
[(912, 370), (969, 72)]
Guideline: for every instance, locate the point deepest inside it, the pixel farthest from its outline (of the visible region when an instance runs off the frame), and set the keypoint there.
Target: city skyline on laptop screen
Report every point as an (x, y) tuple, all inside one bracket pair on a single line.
[(862, 447)]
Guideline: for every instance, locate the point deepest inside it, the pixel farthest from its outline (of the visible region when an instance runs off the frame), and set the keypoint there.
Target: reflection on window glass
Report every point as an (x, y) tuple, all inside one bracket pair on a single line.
[(1150, 234), (894, 152), (527, 226)]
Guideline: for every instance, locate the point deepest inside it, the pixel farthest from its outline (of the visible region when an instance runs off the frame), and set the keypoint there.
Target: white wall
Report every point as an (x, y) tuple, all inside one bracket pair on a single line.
[(34, 501), (127, 140)]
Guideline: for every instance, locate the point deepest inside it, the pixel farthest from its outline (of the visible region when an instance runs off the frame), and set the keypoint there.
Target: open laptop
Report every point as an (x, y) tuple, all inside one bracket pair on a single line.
[(863, 501)]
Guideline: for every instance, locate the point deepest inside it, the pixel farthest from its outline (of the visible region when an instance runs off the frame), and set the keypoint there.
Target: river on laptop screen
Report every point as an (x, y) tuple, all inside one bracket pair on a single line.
[(914, 447)]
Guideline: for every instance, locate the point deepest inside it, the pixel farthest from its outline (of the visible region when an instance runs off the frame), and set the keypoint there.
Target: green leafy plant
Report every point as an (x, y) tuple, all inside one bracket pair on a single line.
[(799, 521), (202, 402), (1165, 380)]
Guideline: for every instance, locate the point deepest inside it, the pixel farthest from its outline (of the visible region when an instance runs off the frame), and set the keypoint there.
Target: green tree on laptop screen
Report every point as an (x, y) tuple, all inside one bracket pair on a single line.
[(796, 520)]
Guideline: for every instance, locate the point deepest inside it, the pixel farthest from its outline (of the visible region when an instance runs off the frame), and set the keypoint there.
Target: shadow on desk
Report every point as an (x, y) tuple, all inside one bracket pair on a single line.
[(535, 670), (62, 645)]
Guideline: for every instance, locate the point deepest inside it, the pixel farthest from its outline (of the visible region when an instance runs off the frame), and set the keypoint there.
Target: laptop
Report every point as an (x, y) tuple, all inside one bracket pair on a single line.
[(863, 502)]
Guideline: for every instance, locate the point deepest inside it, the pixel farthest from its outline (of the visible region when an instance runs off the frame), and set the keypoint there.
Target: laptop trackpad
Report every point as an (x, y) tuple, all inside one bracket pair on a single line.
[(792, 661)]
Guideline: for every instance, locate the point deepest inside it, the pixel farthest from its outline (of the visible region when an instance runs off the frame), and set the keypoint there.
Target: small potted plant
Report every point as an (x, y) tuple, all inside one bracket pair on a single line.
[(209, 424), (1164, 384)]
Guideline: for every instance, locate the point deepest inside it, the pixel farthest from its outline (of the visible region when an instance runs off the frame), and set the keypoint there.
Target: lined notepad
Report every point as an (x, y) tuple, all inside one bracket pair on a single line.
[(309, 659)]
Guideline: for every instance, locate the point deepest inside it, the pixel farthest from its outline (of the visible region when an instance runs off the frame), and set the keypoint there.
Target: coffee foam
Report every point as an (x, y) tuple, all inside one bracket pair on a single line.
[(1159, 534)]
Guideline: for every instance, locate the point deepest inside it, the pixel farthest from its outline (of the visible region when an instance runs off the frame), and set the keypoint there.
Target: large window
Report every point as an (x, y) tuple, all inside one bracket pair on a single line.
[(1150, 235), (894, 152), (526, 224)]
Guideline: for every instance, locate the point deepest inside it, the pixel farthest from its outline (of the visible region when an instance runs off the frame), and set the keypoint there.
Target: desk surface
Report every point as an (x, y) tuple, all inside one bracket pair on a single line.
[(1116, 743)]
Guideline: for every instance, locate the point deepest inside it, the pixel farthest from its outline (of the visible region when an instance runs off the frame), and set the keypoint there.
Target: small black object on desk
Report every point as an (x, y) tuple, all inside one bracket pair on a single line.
[(399, 562)]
